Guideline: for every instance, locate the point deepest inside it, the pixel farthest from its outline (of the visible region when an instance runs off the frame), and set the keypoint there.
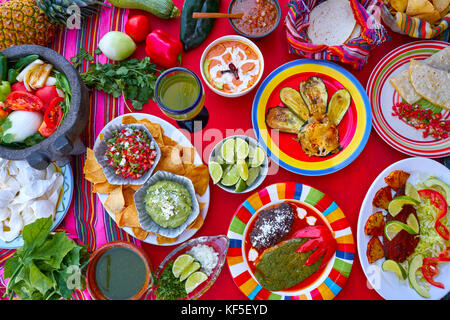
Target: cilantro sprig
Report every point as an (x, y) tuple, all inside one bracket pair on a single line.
[(134, 78)]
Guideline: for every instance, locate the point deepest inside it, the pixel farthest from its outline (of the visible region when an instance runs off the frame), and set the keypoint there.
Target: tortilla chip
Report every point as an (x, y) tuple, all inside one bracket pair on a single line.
[(128, 217), (128, 195), (115, 201), (155, 130), (170, 161), (199, 176), (103, 187), (127, 119), (96, 176), (197, 223), (188, 155), (399, 5), (140, 233), (416, 7), (135, 187), (429, 17), (441, 5), (169, 142), (161, 239)]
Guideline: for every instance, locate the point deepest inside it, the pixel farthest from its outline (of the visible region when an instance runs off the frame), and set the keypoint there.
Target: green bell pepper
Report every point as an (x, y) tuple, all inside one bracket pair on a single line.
[(194, 31), (5, 89)]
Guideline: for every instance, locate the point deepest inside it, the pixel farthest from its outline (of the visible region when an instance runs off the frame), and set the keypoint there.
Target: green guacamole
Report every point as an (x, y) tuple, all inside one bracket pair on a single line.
[(168, 203)]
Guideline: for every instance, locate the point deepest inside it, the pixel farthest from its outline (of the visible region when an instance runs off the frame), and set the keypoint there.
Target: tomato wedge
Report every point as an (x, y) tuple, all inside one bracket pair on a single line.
[(440, 203), (47, 94), (20, 100), (52, 117)]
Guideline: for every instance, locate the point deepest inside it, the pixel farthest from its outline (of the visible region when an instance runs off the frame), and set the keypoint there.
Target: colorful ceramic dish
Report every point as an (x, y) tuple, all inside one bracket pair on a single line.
[(283, 148), (176, 135), (315, 205), (61, 210), (383, 96), (386, 283)]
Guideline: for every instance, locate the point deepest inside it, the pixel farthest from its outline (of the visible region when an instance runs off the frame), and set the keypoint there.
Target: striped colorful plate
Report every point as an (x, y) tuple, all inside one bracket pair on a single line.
[(383, 96), (354, 129), (330, 283)]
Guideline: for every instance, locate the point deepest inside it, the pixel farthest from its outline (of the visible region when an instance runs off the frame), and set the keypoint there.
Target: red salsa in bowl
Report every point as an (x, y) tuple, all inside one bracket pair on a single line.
[(260, 17), (130, 152)]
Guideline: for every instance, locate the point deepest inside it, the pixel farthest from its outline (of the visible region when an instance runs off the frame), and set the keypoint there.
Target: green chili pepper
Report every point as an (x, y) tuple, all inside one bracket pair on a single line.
[(25, 61), (194, 31), (12, 76), (5, 89), (3, 67)]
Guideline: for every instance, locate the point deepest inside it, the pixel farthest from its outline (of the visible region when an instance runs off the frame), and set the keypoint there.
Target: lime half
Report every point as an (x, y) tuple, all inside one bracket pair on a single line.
[(194, 266), (395, 267), (194, 281), (241, 148), (253, 174), (392, 228), (258, 157), (181, 263), (396, 205), (227, 150), (230, 176), (216, 171)]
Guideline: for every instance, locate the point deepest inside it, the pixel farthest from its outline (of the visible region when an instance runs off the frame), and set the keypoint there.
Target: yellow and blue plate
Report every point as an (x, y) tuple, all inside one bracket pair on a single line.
[(283, 148)]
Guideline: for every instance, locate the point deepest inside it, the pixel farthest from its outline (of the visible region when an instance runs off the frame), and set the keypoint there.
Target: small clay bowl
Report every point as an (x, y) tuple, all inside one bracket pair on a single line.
[(92, 286)]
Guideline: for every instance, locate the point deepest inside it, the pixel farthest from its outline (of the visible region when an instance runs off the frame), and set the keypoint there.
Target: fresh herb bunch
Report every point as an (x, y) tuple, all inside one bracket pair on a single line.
[(47, 267), (134, 78), (170, 287)]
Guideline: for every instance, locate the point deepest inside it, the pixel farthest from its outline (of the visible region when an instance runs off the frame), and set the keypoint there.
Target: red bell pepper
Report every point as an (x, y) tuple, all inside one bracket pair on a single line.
[(321, 241), (163, 49), (440, 203), (430, 268)]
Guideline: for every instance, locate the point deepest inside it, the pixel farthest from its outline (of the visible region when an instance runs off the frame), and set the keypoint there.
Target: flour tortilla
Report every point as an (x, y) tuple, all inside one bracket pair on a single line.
[(439, 60), (331, 22), (431, 83)]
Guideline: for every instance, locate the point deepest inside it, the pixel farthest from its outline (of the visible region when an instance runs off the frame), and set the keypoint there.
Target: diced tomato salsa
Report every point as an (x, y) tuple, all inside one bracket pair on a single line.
[(131, 152), (260, 16)]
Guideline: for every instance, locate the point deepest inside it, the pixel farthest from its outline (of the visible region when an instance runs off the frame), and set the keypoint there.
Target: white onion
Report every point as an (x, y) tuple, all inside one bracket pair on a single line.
[(117, 45), (23, 124)]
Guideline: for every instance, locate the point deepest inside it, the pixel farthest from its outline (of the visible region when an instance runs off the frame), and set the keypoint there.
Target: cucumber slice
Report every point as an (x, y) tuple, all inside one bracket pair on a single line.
[(416, 264), (396, 205), (395, 267)]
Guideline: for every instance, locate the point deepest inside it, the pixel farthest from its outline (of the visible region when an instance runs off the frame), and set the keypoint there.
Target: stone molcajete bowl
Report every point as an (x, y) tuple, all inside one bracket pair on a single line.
[(65, 141)]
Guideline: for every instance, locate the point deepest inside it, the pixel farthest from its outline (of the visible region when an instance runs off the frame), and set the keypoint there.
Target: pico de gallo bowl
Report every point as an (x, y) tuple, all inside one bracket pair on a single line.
[(35, 99), (128, 154)]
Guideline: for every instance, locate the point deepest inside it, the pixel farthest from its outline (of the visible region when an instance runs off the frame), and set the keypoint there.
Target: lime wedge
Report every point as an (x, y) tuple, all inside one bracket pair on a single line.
[(411, 191), (253, 174), (190, 269), (216, 171), (396, 205), (227, 150), (194, 281), (241, 185), (241, 148), (230, 176), (243, 169), (412, 222), (181, 263), (258, 157), (395, 267), (393, 227)]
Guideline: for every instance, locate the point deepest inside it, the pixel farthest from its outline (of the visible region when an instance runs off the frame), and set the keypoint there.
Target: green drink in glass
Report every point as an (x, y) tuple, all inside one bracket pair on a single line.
[(180, 95)]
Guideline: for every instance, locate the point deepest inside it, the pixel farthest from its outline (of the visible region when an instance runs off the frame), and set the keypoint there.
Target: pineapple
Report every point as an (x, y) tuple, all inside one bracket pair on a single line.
[(36, 21)]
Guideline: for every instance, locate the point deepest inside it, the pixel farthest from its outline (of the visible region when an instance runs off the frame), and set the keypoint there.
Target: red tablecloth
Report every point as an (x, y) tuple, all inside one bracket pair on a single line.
[(347, 186)]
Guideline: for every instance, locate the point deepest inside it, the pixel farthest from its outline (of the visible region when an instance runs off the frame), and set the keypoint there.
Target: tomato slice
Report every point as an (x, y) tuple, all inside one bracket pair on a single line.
[(20, 100), (47, 94), (52, 117), (18, 86), (440, 203)]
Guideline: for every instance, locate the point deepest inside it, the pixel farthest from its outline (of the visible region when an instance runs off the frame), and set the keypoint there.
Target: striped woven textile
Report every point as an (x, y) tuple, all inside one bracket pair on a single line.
[(418, 28), (354, 52), (87, 221)]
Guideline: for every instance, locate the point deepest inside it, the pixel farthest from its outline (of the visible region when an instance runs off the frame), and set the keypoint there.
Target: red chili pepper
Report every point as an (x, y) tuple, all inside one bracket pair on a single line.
[(440, 203), (163, 49), (321, 239)]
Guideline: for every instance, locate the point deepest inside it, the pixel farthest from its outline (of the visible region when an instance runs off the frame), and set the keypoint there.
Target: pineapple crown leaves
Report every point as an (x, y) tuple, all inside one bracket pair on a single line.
[(59, 10)]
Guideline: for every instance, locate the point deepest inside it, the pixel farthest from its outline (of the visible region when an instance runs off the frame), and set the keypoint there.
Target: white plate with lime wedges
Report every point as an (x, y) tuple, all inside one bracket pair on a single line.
[(396, 281), (238, 164)]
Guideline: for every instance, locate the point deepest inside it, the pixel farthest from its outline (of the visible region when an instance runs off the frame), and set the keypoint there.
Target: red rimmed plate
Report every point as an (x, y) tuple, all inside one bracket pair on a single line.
[(383, 96), (326, 285)]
